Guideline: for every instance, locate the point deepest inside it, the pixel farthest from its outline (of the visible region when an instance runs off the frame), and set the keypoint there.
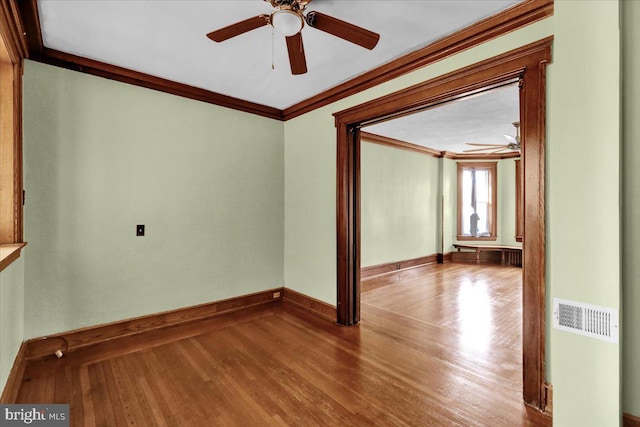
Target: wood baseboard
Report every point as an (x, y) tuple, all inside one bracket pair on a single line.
[(10, 391), (393, 277), (629, 420), (79, 338), (447, 257), (393, 267), (548, 399), (310, 304)]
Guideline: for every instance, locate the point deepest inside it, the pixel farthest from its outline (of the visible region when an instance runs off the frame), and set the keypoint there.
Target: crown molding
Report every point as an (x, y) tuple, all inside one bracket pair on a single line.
[(112, 72), (494, 156), (510, 19), (396, 143), (38, 52), (404, 145)]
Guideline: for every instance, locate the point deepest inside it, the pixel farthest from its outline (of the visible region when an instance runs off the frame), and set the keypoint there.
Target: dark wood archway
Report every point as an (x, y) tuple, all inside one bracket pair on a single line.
[(528, 64)]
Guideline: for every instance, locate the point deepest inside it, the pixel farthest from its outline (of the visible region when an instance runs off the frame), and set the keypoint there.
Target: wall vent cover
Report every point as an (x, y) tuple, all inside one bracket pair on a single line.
[(586, 319)]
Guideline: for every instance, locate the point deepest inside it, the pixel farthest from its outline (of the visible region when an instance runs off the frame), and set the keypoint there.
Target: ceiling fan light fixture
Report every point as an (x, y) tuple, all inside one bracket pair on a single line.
[(286, 21)]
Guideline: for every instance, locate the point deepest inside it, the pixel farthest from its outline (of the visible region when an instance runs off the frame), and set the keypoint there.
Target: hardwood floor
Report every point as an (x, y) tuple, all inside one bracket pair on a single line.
[(439, 349)]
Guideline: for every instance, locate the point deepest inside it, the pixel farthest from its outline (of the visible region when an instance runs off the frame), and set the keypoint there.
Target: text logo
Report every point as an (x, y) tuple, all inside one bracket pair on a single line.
[(34, 415)]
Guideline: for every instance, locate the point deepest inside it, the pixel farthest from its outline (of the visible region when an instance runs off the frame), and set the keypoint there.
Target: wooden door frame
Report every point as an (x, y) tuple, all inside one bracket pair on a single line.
[(528, 64)]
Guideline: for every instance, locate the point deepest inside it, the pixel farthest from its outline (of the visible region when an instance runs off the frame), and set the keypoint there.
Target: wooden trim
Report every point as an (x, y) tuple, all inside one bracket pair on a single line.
[(396, 143), (12, 51), (533, 117), (12, 386), (38, 52), (12, 31), (518, 16), (10, 253), (527, 63), (375, 282), (124, 75), (483, 257), (310, 304), (404, 145), (490, 254), (473, 239), (492, 167), (519, 200), (447, 257), (511, 19), (548, 399), (376, 270), (31, 21), (84, 337), (477, 77), (629, 420), (348, 228), (494, 156)]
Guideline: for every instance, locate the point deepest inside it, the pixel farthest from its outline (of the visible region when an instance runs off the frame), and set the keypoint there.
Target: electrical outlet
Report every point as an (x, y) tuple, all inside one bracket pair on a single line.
[(140, 230), (276, 295)]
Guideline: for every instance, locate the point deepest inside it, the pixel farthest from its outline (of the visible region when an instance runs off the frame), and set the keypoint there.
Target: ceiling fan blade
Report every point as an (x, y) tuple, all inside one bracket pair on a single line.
[(344, 30), (238, 28), (511, 139), (486, 145), (297, 59)]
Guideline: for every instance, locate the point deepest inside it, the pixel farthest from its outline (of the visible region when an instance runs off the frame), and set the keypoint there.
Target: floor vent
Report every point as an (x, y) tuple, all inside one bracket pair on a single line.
[(585, 319)]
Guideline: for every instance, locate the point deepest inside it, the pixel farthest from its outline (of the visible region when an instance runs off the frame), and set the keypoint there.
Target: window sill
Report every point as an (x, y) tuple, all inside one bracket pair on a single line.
[(484, 238), (9, 252)]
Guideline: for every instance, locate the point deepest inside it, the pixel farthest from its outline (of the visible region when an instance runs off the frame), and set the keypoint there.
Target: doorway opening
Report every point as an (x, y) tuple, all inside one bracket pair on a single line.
[(527, 64)]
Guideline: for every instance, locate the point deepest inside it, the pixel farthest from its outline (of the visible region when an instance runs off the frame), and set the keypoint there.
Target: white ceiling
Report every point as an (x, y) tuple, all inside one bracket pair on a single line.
[(168, 39), (483, 118)]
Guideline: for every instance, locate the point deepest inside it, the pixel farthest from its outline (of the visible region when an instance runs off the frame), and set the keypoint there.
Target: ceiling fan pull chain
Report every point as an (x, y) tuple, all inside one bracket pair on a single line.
[(273, 55)]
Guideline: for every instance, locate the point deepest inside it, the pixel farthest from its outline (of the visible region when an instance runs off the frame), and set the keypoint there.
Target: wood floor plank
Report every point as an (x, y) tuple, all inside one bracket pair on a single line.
[(89, 418), (440, 348)]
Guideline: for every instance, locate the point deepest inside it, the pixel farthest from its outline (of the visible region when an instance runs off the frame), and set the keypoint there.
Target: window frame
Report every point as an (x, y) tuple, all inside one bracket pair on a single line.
[(492, 167), (13, 51)]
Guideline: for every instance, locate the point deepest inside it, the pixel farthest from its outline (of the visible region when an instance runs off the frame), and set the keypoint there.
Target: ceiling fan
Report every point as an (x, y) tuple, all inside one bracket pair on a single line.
[(288, 18), (513, 144)]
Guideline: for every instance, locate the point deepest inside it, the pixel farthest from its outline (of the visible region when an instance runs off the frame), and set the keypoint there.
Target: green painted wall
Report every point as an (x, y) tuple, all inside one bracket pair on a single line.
[(630, 15), (583, 115), (507, 202), (399, 204), (11, 316), (102, 156), (582, 185), (450, 200)]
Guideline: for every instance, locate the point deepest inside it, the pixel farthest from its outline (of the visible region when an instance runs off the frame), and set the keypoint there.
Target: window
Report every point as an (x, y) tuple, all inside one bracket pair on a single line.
[(477, 201)]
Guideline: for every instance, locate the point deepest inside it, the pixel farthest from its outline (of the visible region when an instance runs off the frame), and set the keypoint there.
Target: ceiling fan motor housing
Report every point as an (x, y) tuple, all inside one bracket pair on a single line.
[(287, 20)]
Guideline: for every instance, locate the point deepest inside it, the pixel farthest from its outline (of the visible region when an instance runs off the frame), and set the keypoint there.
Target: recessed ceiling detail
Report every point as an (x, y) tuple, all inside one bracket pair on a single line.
[(167, 39)]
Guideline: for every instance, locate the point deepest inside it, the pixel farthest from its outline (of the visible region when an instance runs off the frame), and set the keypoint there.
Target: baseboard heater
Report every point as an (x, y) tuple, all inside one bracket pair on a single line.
[(586, 319)]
